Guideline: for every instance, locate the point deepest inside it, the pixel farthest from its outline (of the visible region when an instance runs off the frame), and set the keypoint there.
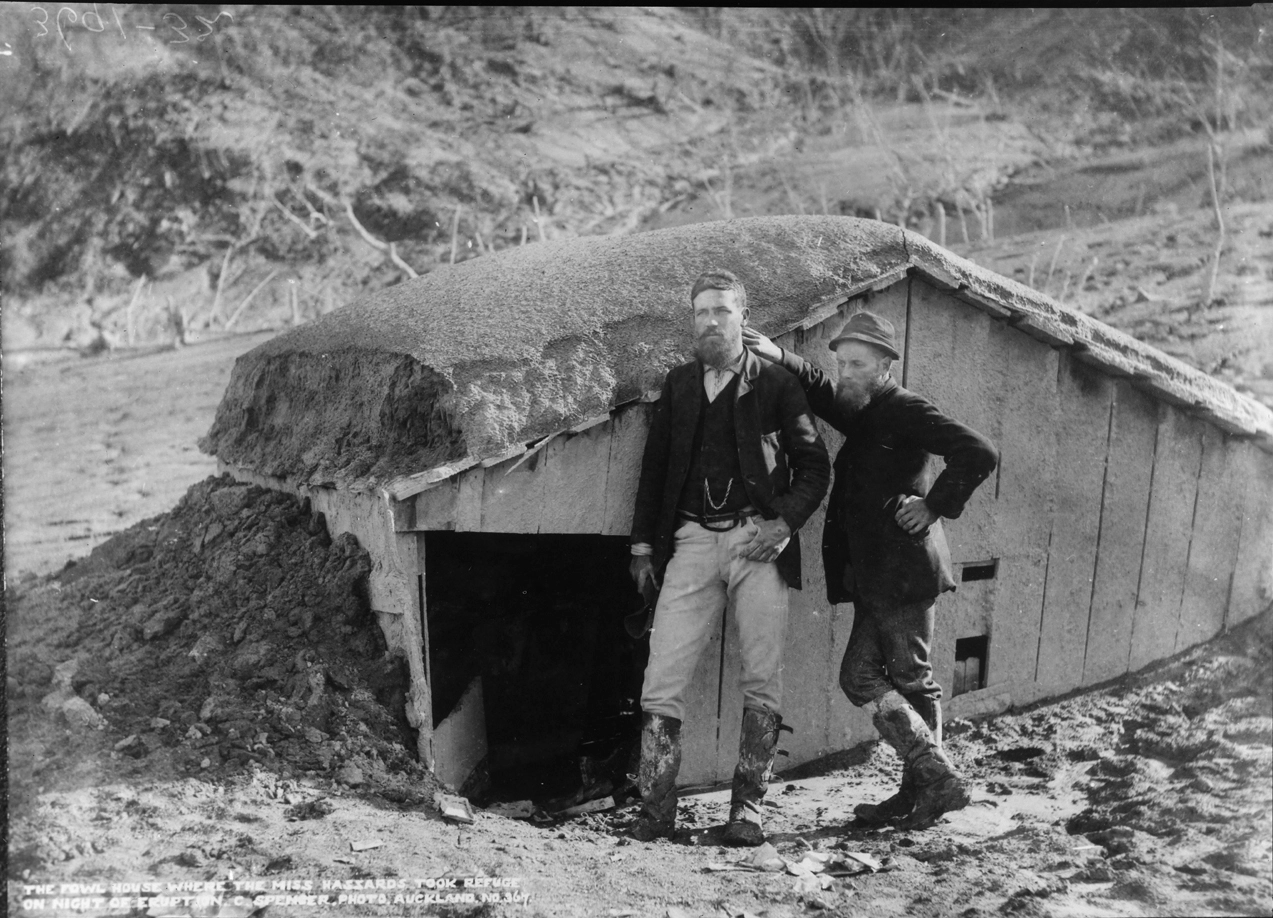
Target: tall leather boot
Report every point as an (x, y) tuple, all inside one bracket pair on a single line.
[(757, 747), (928, 708), (656, 777), (901, 803), (939, 788)]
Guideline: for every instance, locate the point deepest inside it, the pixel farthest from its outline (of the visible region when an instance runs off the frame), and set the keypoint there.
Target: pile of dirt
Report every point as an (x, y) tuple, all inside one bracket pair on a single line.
[(231, 632)]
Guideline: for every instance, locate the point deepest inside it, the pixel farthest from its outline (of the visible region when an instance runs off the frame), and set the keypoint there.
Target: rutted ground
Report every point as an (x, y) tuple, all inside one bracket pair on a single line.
[(205, 698)]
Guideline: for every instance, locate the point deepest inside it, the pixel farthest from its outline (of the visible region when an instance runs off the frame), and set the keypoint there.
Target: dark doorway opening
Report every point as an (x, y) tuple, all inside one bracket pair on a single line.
[(539, 620), (971, 656)]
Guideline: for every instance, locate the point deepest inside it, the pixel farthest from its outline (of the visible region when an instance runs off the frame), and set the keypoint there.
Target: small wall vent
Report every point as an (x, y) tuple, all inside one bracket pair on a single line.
[(979, 570)]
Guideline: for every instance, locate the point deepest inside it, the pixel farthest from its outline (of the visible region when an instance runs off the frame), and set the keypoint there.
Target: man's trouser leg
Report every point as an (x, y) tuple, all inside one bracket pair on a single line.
[(758, 598), (888, 650), (687, 613)]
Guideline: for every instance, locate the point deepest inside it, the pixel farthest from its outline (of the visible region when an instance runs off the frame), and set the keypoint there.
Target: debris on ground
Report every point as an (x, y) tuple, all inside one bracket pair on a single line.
[(249, 720), (233, 631), (456, 809)]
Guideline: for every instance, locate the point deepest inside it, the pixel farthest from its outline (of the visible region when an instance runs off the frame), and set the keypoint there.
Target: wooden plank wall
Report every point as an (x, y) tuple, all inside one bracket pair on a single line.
[(1217, 525), (1081, 440), (821, 718), (1120, 542), (1002, 383), (1173, 490), (581, 482), (1124, 529), (1253, 570)]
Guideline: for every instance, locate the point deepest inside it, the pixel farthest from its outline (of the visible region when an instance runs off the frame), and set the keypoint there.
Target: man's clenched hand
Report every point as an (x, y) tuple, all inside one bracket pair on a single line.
[(914, 515), (768, 539), (642, 570)]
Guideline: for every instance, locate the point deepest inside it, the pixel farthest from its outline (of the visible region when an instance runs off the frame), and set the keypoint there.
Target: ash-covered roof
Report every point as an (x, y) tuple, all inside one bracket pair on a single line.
[(474, 360)]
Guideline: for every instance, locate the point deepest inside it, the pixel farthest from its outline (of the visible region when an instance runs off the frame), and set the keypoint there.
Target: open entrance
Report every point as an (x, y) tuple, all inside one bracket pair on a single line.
[(536, 622), (971, 656)]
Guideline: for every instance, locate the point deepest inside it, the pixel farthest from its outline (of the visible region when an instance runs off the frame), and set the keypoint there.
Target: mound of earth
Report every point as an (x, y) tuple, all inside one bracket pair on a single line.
[(231, 632)]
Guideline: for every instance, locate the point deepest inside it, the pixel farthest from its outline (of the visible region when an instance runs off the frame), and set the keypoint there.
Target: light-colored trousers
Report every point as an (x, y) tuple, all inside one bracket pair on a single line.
[(702, 577)]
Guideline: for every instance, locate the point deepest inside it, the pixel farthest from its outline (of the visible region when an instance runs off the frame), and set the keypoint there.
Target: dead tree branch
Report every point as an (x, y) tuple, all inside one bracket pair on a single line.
[(388, 248), (234, 317), (1216, 191), (304, 227), (370, 239), (397, 260)]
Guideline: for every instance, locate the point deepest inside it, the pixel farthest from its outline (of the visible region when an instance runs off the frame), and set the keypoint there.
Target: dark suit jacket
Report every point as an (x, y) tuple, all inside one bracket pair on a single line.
[(887, 452), (784, 462)]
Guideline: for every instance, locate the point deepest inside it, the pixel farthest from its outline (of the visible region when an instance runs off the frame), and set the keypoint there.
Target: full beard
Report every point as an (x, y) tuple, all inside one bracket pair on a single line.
[(717, 351), (852, 399)]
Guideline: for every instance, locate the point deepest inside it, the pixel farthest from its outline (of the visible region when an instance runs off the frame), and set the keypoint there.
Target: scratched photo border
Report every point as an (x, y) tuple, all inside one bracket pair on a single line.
[(73, 27)]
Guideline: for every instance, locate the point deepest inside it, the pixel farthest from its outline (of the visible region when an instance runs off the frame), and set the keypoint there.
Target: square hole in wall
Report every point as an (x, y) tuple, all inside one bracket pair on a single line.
[(971, 657), (979, 570)]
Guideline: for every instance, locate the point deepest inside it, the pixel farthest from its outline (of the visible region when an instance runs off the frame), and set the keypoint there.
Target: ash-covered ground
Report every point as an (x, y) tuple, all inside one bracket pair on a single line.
[(207, 697)]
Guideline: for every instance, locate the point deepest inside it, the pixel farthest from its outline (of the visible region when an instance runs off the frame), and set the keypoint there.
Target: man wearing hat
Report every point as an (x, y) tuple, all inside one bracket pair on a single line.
[(733, 466), (884, 549)]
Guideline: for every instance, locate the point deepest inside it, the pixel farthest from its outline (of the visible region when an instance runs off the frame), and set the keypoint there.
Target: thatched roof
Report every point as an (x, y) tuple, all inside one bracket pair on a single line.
[(471, 361)]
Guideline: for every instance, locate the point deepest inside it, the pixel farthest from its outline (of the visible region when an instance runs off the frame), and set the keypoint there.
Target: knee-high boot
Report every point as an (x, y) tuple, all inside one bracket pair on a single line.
[(938, 788), (656, 777), (901, 803), (757, 747)]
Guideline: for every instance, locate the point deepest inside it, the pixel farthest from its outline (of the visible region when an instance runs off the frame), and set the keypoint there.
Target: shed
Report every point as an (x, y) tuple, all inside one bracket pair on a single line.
[(480, 429)]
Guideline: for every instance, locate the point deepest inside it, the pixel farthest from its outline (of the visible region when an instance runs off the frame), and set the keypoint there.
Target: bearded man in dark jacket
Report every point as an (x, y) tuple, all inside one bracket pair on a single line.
[(733, 467), (885, 551)]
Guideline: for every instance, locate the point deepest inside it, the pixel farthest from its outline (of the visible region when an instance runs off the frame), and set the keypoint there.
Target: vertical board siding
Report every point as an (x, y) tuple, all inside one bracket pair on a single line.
[(1082, 439), (628, 428), (1124, 510), (512, 495), (469, 498), (811, 658), (1253, 570), (1167, 535), (1024, 430), (953, 363), (1217, 525), (575, 478), (435, 508), (956, 359), (810, 670), (1017, 614)]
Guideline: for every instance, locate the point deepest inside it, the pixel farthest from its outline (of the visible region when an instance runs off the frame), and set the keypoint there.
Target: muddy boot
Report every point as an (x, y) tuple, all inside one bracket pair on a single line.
[(929, 708), (901, 803), (757, 747), (894, 807), (656, 777), (938, 786)]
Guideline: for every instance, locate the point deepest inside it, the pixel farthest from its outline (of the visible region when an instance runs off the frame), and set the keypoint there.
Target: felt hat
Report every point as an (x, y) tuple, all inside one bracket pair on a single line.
[(868, 327)]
